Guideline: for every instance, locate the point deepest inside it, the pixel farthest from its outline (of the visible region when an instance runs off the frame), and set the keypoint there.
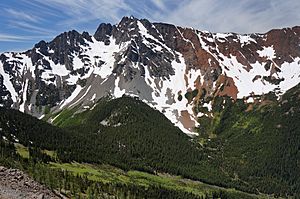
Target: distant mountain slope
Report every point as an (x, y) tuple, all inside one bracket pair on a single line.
[(174, 69)]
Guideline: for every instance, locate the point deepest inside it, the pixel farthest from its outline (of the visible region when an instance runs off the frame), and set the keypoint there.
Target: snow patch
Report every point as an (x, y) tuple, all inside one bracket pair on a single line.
[(93, 97), (291, 74), (106, 53), (72, 96), (77, 63), (24, 97), (144, 32), (161, 96), (7, 83), (117, 91), (268, 52), (86, 92), (104, 123), (72, 79), (246, 39), (243, 79)]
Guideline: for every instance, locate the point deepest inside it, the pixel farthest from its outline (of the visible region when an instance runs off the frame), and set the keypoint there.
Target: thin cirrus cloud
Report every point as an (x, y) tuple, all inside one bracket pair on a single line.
[(79, 11), (245, 16), (217, 16), (160, 4), (15, 38), (17, 14), (31, 28), (31, 20)]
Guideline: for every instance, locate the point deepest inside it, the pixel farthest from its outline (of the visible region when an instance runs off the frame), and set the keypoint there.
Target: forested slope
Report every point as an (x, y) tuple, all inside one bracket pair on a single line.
[(258, 143), (253, 147)]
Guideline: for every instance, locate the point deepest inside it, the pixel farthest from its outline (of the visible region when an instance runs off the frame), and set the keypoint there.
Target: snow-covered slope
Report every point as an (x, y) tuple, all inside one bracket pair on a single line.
[(175, 70)]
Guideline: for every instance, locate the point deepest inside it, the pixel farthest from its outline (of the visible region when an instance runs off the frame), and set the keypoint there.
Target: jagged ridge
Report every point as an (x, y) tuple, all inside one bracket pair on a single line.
[(175, 70)]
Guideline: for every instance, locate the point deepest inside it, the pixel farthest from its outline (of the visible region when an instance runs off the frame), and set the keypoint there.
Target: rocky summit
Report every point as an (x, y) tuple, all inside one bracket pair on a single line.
[(175, 70)]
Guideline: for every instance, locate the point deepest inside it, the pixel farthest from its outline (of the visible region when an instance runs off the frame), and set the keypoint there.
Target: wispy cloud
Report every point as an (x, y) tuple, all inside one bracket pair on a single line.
[(31, 28), (46, 18), (159, 4), (79, 11), (236, 16), (14, 38), (20, 15)]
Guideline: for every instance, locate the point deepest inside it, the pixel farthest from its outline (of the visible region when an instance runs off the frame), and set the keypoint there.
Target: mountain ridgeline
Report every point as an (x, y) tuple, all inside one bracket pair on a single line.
[(220, 108), (173, 69)]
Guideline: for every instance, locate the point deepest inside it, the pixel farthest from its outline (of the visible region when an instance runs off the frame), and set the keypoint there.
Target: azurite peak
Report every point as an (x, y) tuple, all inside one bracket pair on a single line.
[(174, 69)]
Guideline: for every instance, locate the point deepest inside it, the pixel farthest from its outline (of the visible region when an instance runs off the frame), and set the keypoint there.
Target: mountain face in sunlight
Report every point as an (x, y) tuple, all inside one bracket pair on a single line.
[(178, 71)]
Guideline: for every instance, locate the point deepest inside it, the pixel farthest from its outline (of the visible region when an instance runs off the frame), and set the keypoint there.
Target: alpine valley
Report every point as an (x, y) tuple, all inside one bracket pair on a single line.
[(154, 110)]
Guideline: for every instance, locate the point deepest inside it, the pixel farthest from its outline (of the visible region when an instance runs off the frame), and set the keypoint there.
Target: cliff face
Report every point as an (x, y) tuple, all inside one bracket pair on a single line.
[(175, 70)]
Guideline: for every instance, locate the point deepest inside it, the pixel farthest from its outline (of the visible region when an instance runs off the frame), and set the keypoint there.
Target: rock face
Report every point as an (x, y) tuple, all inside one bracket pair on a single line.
[(14, 184), (175, 70)]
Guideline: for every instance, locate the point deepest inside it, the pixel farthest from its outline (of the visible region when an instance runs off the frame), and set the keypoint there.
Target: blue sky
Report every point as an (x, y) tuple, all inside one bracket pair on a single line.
[(25, 22)]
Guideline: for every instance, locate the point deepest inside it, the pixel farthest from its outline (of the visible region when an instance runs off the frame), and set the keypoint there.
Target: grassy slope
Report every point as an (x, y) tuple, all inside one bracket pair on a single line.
[(22, 150), (109, 174)]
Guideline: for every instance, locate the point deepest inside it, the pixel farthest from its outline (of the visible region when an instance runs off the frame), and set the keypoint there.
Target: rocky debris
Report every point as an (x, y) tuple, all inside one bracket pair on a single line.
[(15, 184)]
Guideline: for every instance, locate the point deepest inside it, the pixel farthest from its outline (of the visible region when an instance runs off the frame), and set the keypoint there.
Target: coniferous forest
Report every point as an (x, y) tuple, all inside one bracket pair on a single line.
[(254, 148)]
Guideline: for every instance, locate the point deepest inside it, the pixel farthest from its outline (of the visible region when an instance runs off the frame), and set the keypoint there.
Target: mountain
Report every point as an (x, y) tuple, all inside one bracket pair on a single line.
[(238, 93), (179, 71)]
